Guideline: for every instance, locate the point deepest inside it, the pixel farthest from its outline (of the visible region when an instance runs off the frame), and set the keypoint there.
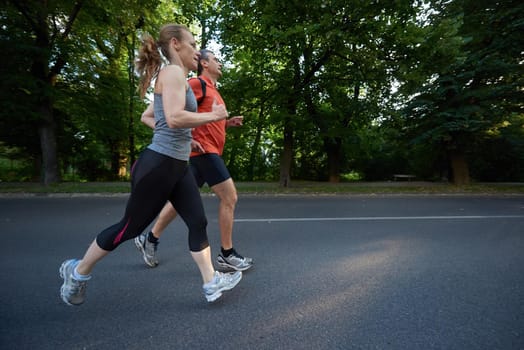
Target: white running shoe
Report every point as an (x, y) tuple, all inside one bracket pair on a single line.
[(72, 290), (221, 282)]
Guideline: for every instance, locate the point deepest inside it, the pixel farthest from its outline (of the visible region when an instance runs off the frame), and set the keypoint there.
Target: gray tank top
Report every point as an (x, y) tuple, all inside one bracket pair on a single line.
[(174, 143)]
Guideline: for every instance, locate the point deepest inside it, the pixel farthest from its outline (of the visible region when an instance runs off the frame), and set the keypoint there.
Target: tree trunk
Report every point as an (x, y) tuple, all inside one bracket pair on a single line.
[(333, 150), (287, 157), (47, 135), (45, 81), (131, 47), (45, 75), (459, 168), (256, 144)]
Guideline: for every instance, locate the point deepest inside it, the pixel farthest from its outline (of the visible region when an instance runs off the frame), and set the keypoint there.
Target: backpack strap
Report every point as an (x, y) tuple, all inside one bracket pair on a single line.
[(203, 85)]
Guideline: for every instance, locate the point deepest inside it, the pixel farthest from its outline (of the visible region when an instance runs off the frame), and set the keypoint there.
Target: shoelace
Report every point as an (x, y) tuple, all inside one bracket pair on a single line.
[(77, 286), (228, 277), (149, 244), (236, 255)]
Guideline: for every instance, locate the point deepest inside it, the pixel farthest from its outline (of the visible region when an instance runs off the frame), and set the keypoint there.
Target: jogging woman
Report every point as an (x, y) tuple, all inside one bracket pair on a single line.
[(161, 173)]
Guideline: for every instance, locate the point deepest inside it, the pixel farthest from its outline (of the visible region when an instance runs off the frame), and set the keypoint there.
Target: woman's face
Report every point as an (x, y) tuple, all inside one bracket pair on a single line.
[(187, 51)]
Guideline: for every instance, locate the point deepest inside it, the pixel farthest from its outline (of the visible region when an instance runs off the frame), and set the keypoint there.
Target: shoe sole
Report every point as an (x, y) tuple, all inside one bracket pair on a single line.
[(233, 267), (139, 246), (213, 297), (61, 270)]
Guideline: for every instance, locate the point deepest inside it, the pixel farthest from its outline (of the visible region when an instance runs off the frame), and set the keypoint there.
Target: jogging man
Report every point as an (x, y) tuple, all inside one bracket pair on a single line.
[(207, 166)]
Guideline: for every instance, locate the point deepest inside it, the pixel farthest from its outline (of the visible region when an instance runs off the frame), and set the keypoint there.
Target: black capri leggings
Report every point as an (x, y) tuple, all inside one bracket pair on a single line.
[(155, 179)]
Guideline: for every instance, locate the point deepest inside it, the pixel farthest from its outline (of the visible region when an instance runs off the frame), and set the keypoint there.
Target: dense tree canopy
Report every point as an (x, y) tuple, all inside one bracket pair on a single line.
[(329, 91), (478, 89)]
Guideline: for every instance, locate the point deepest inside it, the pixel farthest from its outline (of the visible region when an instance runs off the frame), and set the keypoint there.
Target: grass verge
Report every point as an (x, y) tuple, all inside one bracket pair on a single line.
[(297, 187)]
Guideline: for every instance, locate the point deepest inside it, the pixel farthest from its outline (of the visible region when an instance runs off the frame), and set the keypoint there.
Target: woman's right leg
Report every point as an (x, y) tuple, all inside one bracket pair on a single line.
[(188, 203), (186, 200), (204, 263)]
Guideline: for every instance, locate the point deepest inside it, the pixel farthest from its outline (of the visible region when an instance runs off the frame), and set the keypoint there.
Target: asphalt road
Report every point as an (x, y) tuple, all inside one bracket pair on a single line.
[(332, 272)]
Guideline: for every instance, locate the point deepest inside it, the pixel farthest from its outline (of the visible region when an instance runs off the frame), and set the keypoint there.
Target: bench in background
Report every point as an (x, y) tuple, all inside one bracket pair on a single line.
[(407, 177)]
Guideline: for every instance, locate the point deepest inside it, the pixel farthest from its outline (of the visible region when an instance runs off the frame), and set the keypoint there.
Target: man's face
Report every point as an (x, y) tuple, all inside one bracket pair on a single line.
[(214, 67)]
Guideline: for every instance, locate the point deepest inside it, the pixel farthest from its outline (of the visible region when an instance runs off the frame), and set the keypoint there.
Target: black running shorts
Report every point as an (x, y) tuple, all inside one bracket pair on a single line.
[(209, 168)]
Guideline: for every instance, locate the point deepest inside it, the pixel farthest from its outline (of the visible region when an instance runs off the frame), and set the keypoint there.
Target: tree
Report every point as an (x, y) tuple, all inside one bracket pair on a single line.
[(62, 43), (324, 65), (50, 24), (479, 87)]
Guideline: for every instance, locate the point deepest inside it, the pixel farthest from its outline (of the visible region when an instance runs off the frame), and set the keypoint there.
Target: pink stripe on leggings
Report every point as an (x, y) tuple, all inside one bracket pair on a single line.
[(118, 238)]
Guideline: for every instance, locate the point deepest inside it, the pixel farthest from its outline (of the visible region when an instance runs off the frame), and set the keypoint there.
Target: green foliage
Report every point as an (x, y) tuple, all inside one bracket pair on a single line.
[(344, 87), (15, 165), (72, 74), (502, 152), (18, 89), (476, 87), (319, 69)]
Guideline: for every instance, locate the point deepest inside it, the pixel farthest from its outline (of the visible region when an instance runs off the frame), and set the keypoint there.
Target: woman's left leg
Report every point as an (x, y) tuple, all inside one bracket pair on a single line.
[(151, 184)]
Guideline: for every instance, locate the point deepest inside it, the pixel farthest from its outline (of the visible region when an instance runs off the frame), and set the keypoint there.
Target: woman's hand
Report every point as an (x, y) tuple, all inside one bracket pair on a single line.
[(219, 110)]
